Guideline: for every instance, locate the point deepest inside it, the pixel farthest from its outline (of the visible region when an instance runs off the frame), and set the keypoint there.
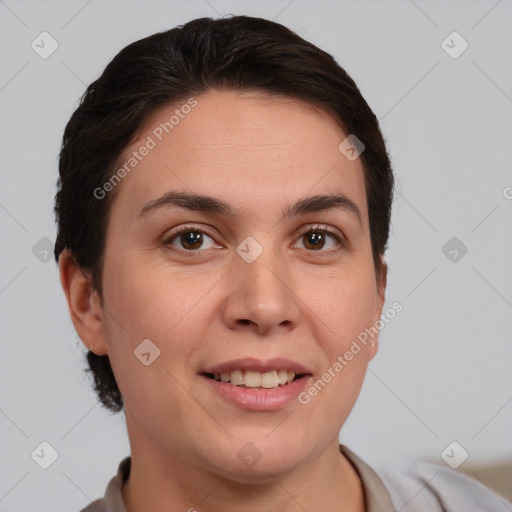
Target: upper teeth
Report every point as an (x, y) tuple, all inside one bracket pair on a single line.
[(253, 379)]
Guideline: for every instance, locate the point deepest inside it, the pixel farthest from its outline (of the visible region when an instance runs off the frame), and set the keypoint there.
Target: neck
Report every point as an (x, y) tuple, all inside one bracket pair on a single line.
[(158, 480)]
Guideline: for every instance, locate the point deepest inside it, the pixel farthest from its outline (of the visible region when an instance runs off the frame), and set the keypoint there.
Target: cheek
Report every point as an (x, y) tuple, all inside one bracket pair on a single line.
[(147, 301), (344, 306), (340, 317), (148, 298), (152, 329)]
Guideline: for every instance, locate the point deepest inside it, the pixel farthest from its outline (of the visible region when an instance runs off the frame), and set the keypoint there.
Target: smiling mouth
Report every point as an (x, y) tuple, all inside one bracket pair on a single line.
[(249, 379)]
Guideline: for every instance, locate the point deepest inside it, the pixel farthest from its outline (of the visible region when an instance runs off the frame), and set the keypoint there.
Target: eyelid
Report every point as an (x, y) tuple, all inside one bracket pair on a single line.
[(185, 228), (188, 227), (322, 227)]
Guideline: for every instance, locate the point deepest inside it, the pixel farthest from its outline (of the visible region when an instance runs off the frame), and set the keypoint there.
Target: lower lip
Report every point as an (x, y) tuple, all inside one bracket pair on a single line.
[(259, 399)]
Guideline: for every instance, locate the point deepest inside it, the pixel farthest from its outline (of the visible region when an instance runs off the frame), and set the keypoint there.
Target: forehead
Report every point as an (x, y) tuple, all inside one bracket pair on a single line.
[(245, 148)]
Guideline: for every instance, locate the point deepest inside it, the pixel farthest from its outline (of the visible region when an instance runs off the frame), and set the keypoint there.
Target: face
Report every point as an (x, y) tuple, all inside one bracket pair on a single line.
[(237, 292)]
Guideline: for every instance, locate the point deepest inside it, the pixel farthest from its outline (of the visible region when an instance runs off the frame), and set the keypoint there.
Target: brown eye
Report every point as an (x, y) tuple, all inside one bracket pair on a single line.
[(190, 239), (314, 240), (320, 240)]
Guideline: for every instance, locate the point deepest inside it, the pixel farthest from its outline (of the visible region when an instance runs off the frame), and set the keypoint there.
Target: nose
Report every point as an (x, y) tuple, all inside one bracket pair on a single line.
[(260, 297)]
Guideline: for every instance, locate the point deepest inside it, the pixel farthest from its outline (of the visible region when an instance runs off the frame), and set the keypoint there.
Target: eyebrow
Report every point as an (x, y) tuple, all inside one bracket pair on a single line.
[(205, 203)]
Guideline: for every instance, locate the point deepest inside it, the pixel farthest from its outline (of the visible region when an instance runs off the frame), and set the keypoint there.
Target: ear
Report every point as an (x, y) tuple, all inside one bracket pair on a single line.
[(84, 304), (382, 279)]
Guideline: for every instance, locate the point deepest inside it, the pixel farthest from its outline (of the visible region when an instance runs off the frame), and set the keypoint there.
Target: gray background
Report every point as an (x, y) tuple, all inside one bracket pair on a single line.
[(443, 372)]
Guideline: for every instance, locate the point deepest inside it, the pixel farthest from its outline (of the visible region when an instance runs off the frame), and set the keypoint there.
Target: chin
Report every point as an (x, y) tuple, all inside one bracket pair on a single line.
[(259, 459), (263, 471)]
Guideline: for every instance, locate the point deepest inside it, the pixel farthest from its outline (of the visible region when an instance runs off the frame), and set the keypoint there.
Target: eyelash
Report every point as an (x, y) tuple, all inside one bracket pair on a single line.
[(318, 228)]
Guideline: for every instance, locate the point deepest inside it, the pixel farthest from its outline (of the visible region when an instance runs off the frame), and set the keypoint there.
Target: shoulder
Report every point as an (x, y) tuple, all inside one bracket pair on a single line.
[(421, 486), (113, 499), (95, 506)]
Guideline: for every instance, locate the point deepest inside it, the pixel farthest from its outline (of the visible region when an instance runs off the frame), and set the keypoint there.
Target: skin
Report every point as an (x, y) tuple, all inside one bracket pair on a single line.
[(297, 301)]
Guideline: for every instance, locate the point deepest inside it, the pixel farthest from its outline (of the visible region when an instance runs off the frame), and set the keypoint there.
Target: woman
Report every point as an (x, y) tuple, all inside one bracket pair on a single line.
[(223, 212)]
